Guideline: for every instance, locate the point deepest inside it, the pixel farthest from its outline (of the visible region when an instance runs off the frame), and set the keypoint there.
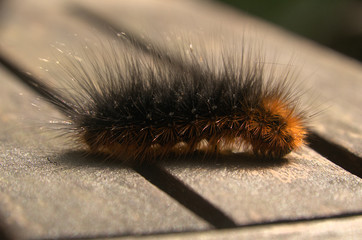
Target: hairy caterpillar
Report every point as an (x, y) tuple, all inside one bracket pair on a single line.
[(143, 106)]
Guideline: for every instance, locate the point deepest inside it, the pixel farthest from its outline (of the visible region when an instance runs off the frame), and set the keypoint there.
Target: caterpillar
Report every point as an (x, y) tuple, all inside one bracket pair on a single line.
[(145, 106)]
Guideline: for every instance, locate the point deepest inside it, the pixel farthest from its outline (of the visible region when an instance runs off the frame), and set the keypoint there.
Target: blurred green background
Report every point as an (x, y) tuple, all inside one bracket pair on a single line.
[(334, 23)]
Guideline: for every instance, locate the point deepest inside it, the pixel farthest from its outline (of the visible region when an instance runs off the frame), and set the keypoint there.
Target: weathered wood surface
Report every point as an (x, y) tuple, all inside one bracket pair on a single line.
[(332, 229), (304, 187), (48, 190)]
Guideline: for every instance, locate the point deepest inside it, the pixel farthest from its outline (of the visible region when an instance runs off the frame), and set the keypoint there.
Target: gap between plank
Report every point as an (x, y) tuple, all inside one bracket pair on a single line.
[(336, 154), (122, 32), (185, 195), (6, 232)]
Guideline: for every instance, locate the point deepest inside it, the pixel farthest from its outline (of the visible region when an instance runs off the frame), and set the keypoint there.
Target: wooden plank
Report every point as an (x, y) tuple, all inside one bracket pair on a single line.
[(332, 229), (305, 186)]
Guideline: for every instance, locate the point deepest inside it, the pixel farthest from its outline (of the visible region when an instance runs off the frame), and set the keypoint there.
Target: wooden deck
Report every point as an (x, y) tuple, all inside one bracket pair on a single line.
[(49, 190)]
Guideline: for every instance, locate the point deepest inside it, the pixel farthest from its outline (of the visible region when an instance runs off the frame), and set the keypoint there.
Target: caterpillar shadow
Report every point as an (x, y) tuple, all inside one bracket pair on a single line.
[(198, 159)]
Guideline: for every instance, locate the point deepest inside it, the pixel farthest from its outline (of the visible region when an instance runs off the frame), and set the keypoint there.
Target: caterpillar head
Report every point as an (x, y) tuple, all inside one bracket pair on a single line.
[(275, 128)]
